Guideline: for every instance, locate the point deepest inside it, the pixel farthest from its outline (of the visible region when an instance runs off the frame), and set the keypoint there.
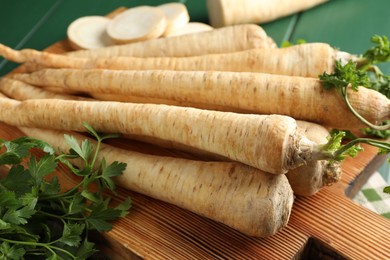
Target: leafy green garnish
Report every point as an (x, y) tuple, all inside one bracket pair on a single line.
[(382, 134), (362, 72), (286, 44), (37, 219), (334, 150), (378, 53), (343, 76)]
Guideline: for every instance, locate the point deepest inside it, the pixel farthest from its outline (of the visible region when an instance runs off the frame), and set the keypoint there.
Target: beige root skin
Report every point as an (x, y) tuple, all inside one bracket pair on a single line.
[(22, 91), (39, 58), (307, 180), (314, 59), (217, 132), (253, 93), (246, 199), (247, 36), (228, 12)]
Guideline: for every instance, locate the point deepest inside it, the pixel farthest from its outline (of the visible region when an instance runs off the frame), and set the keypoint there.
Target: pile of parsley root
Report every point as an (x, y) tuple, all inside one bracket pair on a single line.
[(250, 117)]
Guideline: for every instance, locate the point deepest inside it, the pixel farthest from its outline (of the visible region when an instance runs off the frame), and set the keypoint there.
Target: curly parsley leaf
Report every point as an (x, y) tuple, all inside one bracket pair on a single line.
[(380, 52), (382, 134), (343, 76), (349, 76)]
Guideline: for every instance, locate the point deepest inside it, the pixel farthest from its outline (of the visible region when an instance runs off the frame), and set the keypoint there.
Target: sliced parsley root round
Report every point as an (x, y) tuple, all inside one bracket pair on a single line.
[(244, 198), (227, 12)]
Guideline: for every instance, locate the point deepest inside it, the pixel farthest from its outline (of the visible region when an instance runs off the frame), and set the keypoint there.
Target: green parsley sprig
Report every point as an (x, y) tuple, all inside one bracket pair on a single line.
[(334, 150), (362, 72), (37, 219)]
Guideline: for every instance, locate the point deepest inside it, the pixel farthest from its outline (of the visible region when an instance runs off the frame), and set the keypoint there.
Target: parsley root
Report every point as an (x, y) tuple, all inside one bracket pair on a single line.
[(20, 90), (244, 138), (244, 198), (228, 12), (305, 180), (308, 179), (271, 143), (229, 91), (247, 36), (127, 28), (314, 59)]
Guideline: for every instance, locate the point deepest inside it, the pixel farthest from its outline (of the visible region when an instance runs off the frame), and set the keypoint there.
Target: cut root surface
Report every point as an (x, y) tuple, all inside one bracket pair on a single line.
[(89, 32), (137, 24)]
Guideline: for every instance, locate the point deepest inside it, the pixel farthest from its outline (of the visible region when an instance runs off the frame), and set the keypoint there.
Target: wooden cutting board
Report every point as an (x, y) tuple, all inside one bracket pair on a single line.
[(327, 225)]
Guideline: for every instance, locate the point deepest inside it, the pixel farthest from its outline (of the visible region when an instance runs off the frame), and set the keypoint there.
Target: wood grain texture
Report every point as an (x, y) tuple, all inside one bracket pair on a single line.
[(158, 230)]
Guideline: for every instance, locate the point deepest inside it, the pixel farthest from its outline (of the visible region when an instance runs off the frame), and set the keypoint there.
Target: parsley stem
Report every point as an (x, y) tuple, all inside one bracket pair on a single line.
[(37, 244), (379, 144), (334, 150), (62, 217), (2, 187), (64, 195), (96, 152), (361, 118)]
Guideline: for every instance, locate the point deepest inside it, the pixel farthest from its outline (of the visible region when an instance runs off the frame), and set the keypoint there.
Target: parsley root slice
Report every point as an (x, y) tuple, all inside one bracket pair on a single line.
[(192, 27), (137, 24), (244, 198), (89, 32), (298, 97), (244, 138), (246, 36), (176, 15)]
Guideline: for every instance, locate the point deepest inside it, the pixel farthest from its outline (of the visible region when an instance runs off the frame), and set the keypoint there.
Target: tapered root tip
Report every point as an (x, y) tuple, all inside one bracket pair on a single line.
[(10, 54)]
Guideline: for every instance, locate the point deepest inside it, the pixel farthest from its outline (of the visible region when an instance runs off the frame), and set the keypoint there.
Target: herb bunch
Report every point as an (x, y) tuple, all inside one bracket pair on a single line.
[(37, 219), (335, 150), (364, 72)]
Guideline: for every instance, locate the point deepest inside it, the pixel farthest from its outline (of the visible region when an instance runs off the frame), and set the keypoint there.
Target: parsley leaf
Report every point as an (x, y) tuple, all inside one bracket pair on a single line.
[(380, 52), (37, 218), (335, 150), (345, 75)]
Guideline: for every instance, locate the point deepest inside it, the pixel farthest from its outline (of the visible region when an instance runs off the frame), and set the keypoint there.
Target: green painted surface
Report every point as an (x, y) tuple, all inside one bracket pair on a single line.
[(19, 18)]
